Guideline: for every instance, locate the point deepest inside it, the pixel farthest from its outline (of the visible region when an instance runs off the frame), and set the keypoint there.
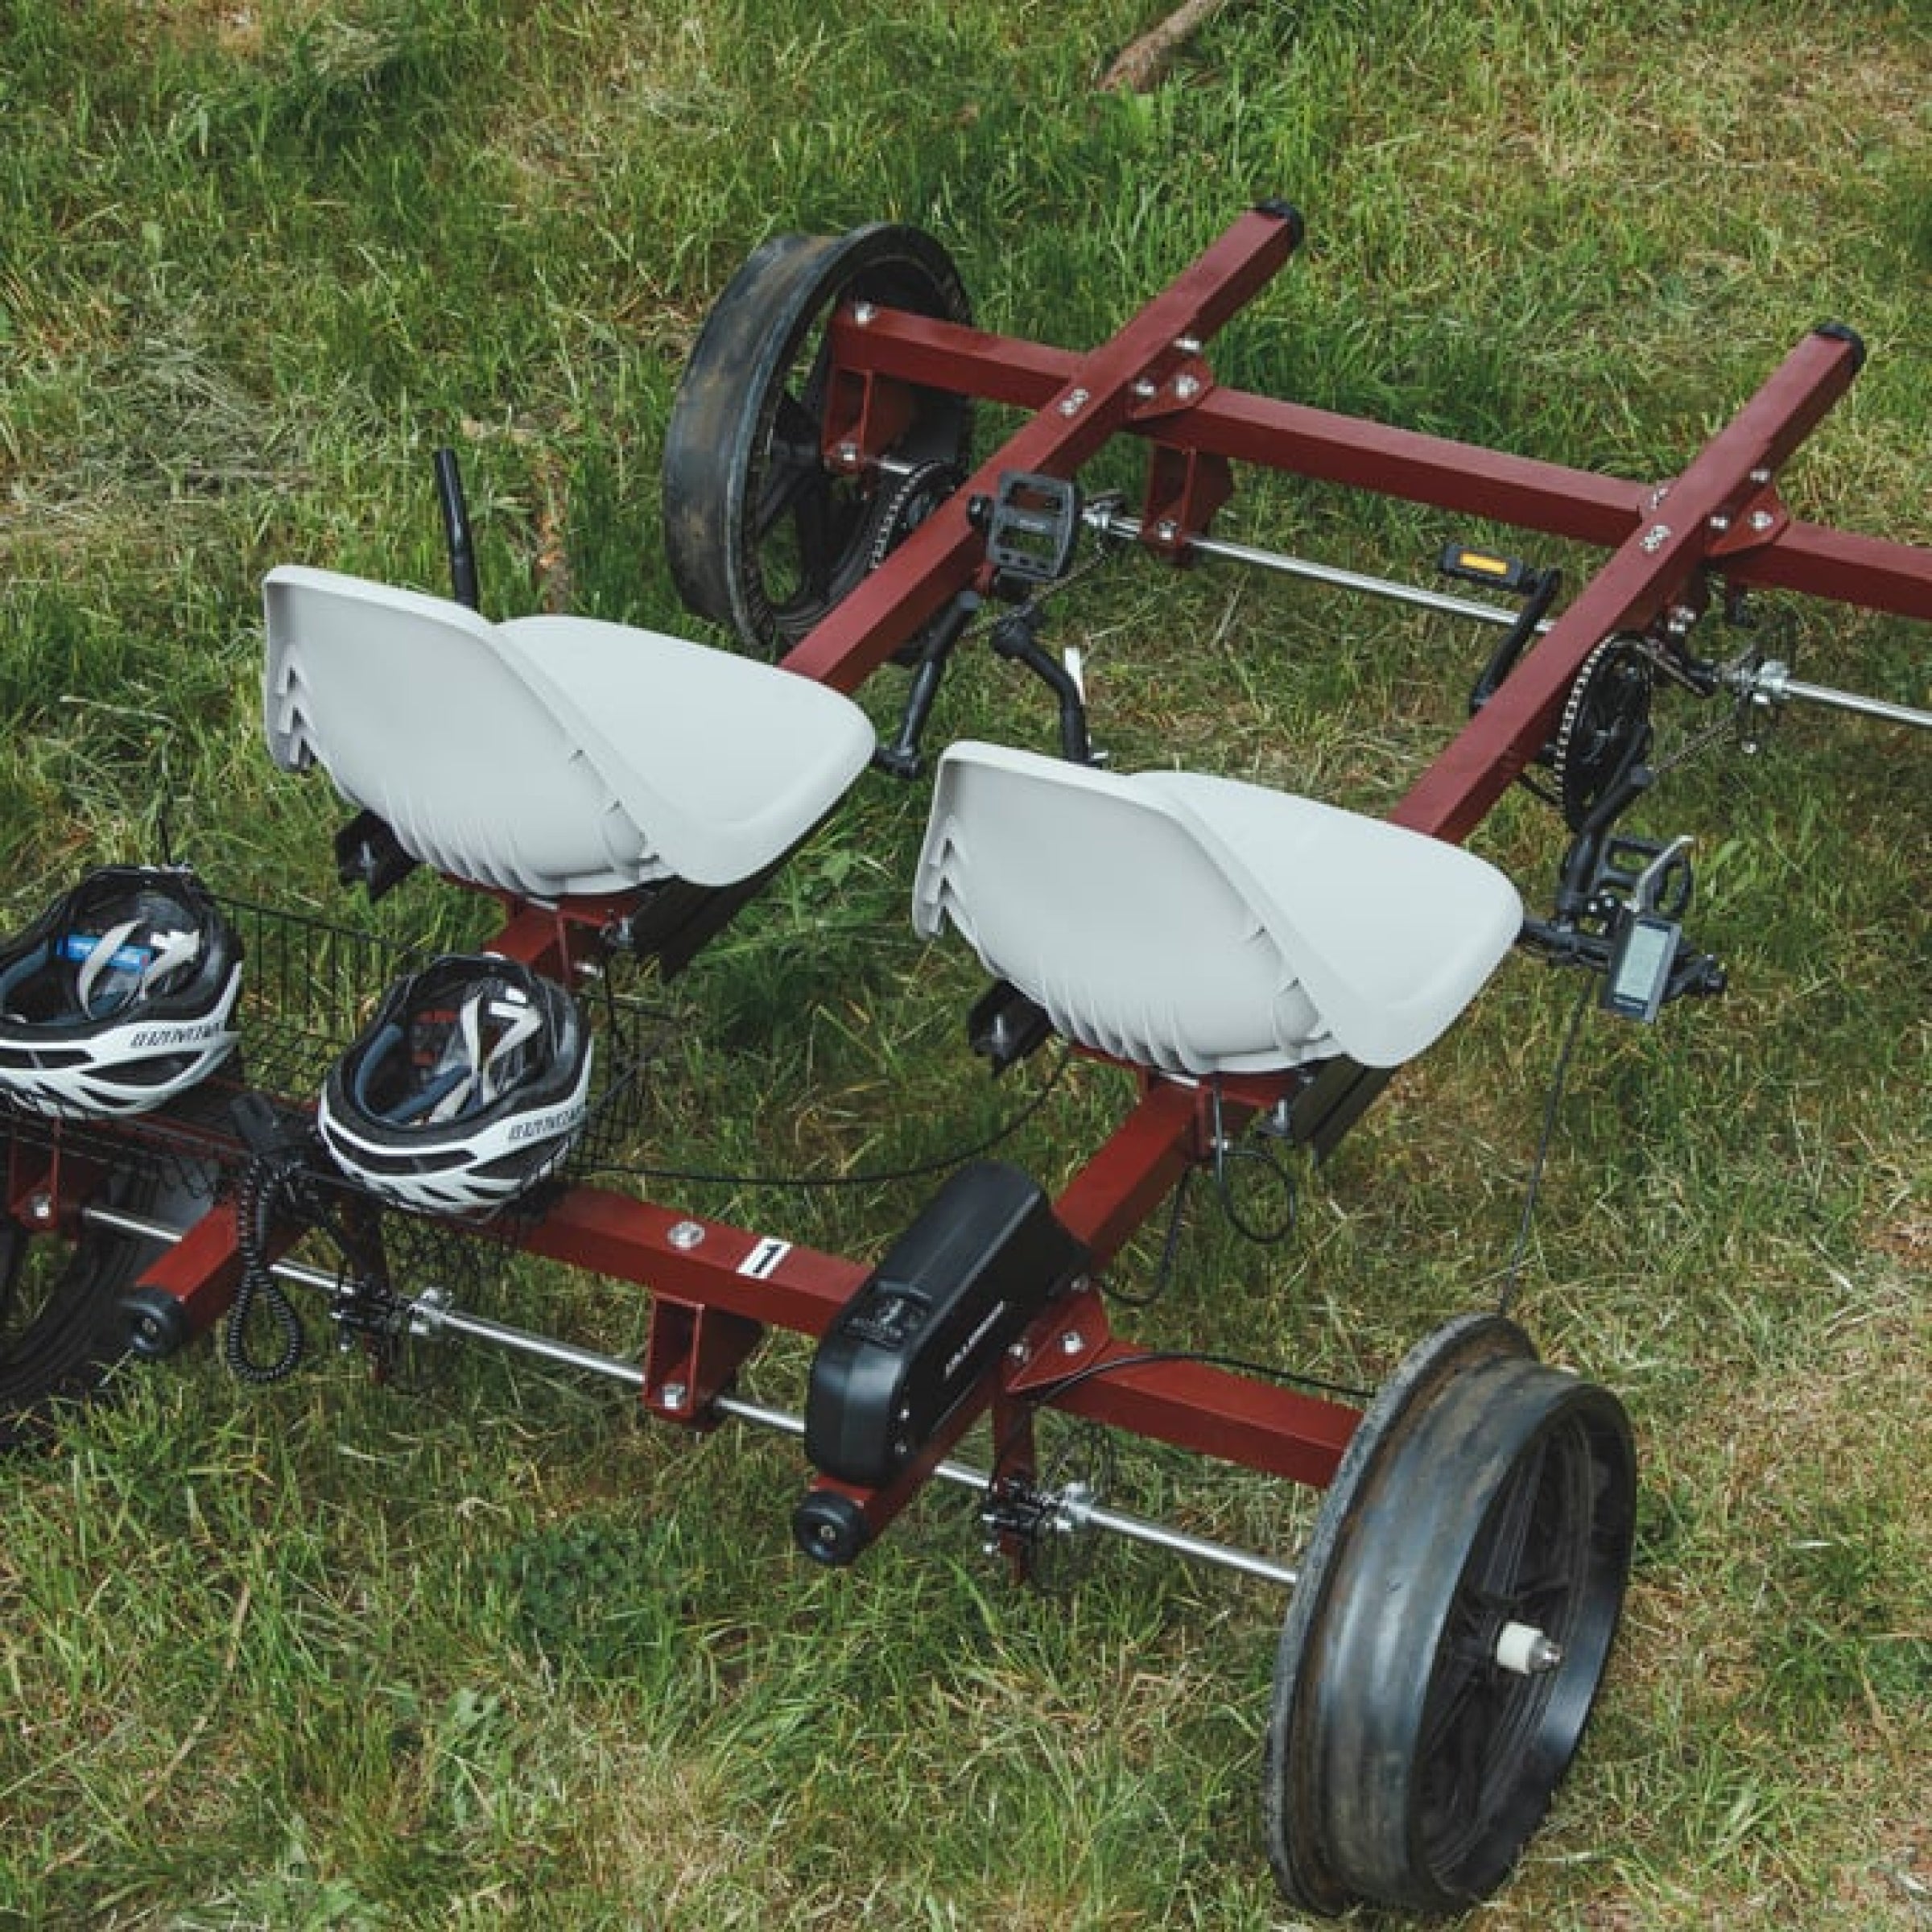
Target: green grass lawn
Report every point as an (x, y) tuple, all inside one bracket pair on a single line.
[(497, 1652)]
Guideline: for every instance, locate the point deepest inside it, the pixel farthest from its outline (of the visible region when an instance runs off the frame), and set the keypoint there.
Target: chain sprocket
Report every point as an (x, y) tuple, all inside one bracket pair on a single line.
[(1605, 728), (898, 511)]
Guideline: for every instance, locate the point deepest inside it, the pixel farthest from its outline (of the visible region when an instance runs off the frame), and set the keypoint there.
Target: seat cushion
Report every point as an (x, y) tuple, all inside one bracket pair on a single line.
[(550, 756), (1199, 925)]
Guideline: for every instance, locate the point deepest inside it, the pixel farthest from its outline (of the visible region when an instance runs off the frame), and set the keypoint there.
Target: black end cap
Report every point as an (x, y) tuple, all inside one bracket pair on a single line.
[(830, 1529), (1842, 332), (156, 1323), (1285, 210)]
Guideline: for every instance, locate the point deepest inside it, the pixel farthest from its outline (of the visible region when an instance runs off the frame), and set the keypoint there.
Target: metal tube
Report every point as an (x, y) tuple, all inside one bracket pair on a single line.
[(1849, 700), (1135, 1529), (1179, 1542), (432, 1315), (1114, 522)]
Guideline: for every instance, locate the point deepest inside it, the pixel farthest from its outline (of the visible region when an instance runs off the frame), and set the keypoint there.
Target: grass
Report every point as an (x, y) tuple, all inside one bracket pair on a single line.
[(324, 1656)]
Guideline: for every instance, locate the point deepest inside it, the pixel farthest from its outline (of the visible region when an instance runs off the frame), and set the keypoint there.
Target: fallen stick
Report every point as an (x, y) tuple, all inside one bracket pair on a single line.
[(1145, 62)]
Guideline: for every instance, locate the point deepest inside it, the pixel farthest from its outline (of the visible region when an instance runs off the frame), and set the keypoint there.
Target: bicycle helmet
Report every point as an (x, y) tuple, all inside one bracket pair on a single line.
[(468, 1086), (119, 996)]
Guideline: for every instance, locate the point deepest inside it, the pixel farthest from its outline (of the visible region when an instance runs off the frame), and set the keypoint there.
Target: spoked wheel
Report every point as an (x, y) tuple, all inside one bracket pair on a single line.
[(762, 532), (62, 1326), (1451, 1626)]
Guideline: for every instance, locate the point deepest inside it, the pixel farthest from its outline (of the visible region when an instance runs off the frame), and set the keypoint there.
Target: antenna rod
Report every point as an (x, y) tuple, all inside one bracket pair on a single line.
[(455, 530)]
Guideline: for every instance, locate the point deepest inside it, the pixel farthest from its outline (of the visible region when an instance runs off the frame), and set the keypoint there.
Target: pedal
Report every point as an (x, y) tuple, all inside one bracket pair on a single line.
[(1032, 524), (1515, 578), (1509, 574), (1628, 927)]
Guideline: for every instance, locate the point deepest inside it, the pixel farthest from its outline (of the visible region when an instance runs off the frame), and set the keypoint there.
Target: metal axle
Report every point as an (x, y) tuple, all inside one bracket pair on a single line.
[(1771, 683), (431, 1313), (1113, 521)]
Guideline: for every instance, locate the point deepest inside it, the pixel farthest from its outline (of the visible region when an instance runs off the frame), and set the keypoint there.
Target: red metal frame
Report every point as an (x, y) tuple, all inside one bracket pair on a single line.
[(715, 1287)]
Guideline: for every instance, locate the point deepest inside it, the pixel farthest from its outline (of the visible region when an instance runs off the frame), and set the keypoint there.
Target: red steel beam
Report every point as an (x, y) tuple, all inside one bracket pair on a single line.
[(1192, 1405), (709, 1263), (1075, 419), (1211, 1411), (1134, 1170), (1817, 561), (1463, 478), (1652, 566), (1245, 427)]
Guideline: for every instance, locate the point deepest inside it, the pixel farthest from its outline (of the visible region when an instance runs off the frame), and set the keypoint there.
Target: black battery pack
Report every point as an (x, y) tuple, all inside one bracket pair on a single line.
[(954, 1291)]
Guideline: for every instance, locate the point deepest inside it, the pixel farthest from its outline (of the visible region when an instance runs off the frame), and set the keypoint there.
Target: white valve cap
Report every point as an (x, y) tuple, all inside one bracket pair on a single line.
[(1525, 1649)]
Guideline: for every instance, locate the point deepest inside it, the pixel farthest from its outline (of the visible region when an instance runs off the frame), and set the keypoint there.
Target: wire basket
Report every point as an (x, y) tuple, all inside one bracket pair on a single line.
[(308, 987)]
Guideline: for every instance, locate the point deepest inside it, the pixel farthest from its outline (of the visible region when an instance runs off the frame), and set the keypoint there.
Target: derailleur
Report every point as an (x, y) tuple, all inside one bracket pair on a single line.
[(1619, 913)]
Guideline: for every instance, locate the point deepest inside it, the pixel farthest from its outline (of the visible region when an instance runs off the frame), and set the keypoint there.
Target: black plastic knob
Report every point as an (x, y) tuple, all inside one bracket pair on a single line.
[(830, 1529)]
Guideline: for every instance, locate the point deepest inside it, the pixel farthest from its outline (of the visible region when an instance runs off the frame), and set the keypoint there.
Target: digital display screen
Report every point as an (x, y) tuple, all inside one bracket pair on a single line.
[(1646, 948)]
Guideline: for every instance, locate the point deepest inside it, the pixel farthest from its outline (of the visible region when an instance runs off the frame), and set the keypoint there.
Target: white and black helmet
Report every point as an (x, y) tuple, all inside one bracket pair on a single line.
[(469, 1086), (119, 996)]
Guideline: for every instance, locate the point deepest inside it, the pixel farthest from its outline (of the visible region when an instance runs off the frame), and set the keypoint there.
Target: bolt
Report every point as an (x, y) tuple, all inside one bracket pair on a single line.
[(1074, 401), (862, 312), (672, 1395), (1167, 530), (848, 456), (1072, 1342), (1188, 345), (1146, 389), (1720, 522), (1187, 387), (426, 1311), (687, 1234), (1761, 477), (40, 1207), (1654, 538), (1761, 520)]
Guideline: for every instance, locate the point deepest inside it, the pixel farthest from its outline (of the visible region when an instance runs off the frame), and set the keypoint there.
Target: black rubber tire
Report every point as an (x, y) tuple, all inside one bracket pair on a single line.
[(1404, 1766), (63, 1331), (760, 533)]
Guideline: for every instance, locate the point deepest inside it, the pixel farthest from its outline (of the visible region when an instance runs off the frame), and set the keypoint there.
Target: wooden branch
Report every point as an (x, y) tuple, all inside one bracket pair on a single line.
[(1144, 63)]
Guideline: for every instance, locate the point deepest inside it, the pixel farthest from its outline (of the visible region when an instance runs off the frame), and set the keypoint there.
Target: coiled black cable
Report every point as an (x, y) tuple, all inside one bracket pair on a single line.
[(266, 1183)]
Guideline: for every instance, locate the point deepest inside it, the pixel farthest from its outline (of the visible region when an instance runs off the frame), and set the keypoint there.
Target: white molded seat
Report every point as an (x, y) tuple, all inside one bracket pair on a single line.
[(1199, 925), (549, 755)]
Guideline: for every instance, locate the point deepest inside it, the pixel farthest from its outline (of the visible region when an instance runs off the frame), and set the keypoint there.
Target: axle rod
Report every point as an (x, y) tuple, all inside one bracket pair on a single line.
[(432, 1314), (1771, 683), (1114, 522), (1135, 1529)]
